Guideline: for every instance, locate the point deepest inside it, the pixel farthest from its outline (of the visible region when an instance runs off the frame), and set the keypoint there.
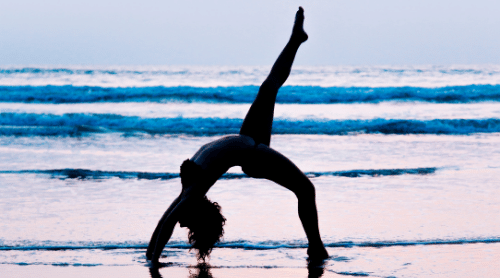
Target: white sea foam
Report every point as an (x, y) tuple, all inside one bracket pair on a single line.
[(356, 111), (213, 76)]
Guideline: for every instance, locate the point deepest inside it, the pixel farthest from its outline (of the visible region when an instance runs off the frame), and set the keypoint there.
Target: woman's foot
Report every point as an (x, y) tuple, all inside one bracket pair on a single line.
[(298, 32), (317, 253)]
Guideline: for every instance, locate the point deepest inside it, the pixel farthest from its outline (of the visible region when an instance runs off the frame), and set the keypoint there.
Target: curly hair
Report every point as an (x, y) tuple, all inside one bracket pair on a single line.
[(206, 226)]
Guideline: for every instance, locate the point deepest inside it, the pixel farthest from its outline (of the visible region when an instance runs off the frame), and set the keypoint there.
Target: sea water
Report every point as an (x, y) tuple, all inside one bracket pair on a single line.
[(405, 161)]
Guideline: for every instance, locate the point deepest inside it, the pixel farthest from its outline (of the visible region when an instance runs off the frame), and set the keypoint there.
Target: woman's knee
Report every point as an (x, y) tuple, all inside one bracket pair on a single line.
[(306, 191), (270, 85)]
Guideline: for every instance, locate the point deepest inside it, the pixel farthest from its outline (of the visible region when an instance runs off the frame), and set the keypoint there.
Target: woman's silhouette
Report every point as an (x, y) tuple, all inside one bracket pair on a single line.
[(250, 150)]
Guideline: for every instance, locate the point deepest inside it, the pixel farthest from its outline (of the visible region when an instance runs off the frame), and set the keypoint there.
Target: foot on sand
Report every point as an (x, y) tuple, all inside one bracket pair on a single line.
[(317, 253)]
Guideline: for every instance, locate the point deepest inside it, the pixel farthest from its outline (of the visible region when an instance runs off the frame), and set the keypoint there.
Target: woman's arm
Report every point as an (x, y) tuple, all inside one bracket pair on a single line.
[(167, 223), (163, 232), (267, 163)]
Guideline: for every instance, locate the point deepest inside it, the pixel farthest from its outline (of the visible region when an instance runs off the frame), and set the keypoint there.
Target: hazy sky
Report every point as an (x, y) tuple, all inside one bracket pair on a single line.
[(229, 32)]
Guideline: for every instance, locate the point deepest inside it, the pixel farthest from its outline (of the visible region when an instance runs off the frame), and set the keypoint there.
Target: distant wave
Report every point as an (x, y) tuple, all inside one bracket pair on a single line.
[(95, 174), (213, 76), (237, 70), (27, 124), (246, 94), (69, 71), (240, 244)]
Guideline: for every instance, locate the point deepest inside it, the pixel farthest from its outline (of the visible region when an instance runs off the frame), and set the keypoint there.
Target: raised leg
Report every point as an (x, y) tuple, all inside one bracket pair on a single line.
[(259, 119)]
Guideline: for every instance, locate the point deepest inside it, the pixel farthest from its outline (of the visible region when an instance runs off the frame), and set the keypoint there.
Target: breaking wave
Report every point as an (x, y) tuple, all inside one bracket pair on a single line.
[(240, 244), (75, 124), (96, 174), (246, 94)]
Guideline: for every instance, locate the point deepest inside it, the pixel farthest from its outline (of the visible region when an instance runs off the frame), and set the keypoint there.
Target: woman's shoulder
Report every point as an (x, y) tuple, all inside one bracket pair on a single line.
[(190, 173)]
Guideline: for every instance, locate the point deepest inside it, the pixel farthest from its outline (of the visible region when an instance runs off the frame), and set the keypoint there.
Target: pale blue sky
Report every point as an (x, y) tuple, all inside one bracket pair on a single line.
[(228, 32)]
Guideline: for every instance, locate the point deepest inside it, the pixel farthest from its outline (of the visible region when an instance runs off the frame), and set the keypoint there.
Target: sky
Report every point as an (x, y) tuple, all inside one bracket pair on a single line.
[(228, 32)]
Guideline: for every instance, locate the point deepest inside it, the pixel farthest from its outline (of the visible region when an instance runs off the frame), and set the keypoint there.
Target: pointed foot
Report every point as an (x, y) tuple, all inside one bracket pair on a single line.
[(298, 32)]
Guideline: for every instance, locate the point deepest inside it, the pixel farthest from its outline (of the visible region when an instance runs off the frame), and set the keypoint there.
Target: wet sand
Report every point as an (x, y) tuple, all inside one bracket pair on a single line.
[(450, 260), (144, 272)]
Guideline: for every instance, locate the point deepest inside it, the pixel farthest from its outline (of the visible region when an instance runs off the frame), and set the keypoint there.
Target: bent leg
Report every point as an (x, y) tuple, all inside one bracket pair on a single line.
[(270, 164), (259, 119)]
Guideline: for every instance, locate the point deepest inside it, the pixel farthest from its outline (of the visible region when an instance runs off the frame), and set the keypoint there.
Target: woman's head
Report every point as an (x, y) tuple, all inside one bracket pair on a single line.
[(205, 223)]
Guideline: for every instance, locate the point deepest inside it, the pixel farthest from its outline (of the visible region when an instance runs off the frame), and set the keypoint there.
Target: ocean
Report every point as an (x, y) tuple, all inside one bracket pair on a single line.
[(405, 161)]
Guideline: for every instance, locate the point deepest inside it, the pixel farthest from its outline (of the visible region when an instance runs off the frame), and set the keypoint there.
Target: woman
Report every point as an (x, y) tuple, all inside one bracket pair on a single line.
[(250, 150)]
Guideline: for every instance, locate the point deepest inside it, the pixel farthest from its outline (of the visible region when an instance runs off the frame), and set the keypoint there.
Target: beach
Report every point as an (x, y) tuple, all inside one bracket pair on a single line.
[(404, 161)]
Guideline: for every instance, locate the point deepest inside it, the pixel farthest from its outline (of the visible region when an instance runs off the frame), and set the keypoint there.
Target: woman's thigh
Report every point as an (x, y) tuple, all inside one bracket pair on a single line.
[(267, 163)]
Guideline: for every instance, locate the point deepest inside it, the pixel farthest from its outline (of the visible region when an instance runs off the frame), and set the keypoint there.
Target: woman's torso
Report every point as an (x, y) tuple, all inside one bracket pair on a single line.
[(216, 157)]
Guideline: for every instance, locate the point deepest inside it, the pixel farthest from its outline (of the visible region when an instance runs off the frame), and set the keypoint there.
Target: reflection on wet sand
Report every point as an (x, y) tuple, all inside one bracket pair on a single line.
[(315, 269), (202, 270)]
